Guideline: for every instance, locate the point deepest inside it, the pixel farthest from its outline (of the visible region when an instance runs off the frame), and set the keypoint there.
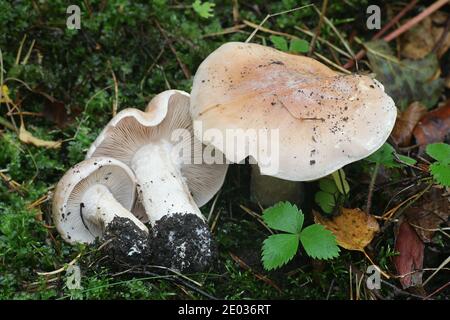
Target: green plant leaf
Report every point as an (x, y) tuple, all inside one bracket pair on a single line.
[(299, 46), (319, 243), (405, 80), (325, 200), (284, 217), (384, 156), (326, 184), (278, 249), (441, 173), (439, 151), (205, 9), (280, 43), (406, 159), (340, 181)]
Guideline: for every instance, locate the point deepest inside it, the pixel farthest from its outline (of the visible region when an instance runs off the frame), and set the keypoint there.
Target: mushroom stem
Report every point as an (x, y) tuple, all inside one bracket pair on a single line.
[(266, 190), (100, 208), (163, 190)]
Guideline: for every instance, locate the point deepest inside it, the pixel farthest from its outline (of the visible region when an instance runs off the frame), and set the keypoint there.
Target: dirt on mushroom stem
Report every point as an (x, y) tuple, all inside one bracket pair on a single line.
[(183, 241), (125, 243)]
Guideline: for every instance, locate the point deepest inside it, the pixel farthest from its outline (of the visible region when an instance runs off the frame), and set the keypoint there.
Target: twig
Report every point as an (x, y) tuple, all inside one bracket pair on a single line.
[(273, 15), (408, 25), (411, 23), (437, 290), (116, 91), (320, 39), (331, 63), (186, 72), (319, 27), (391, 23), (372, 186), (232, 29), (442, 265)]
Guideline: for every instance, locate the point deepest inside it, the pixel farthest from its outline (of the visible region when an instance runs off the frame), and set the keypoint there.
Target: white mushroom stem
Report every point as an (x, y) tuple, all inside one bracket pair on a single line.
[(163, 190), (100, 207)]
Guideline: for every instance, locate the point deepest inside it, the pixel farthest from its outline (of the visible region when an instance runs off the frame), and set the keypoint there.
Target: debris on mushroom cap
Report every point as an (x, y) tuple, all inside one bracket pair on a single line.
[(325, 119), (131, 129), (67, 199)]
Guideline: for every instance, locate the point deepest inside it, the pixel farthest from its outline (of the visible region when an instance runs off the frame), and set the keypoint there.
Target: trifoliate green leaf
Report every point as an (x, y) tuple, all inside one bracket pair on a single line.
[(278, 249), (441, 173), (340, 181), (319, 243), (325, 200), (439, 152), (299, 46), (279, 43), (204, 10), (284, 217)]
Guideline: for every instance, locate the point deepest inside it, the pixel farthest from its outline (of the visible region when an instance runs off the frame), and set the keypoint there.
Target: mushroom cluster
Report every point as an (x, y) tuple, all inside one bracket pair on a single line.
[(148, 167), (138, 170)]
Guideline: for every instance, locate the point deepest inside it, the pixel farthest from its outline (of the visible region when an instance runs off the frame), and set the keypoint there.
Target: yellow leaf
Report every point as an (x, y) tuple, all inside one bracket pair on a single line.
[(354, 229), (27, 137), (4, 94)]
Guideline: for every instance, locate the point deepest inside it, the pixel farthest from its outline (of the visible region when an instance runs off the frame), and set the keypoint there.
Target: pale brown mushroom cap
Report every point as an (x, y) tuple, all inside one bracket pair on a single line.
[(131, 129), (67, 198), (325, 120)]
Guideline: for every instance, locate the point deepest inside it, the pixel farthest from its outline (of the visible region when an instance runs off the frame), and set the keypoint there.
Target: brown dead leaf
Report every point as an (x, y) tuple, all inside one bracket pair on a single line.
[(26, 137), (427, 214), (354, 229), (434, 126), (420, 40), (410, 258), (406, 121)]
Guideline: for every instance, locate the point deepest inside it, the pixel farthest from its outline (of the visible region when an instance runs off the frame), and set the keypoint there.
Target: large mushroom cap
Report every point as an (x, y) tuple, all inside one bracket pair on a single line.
[(325, 120), (131, 129), (67, 199)]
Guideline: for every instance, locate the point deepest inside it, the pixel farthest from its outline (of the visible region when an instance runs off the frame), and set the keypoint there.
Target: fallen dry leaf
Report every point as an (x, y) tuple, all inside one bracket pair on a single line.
[(406, 121), (427, 214), (420, 40), (410, 258), (354, 229), (27, 137), (434, 126)]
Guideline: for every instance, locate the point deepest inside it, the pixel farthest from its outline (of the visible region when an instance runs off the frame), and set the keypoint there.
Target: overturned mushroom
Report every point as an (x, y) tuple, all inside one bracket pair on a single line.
[(321, 120), (93, 200), (159, 146)]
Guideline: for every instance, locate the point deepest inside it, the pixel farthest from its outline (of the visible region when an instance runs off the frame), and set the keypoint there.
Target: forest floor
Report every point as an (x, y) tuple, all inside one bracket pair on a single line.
[(64, 85)]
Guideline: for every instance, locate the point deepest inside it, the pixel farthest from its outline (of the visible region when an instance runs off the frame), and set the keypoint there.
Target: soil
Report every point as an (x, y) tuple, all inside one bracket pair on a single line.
[(183, 242), (129, 244)]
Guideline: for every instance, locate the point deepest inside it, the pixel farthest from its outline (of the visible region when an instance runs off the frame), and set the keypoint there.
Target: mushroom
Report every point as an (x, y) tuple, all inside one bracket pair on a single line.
[(92, 200), (160, 148), (318, 120)]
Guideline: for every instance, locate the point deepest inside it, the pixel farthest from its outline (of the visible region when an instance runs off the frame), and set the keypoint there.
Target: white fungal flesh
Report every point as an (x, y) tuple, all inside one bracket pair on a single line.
[(100, 207), (163, 189)]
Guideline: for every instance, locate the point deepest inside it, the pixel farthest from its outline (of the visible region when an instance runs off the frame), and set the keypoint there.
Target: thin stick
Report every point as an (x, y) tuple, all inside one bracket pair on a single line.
[(319, 27), (442, 265), (372, 186), (411, 23), (116, 92), (390, 24), (273, 15), (377, 267), (408, 25)]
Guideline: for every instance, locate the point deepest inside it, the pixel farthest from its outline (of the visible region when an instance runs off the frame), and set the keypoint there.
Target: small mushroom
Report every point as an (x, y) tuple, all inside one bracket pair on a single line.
[(92, 201), (171, 185), (324, 119)]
